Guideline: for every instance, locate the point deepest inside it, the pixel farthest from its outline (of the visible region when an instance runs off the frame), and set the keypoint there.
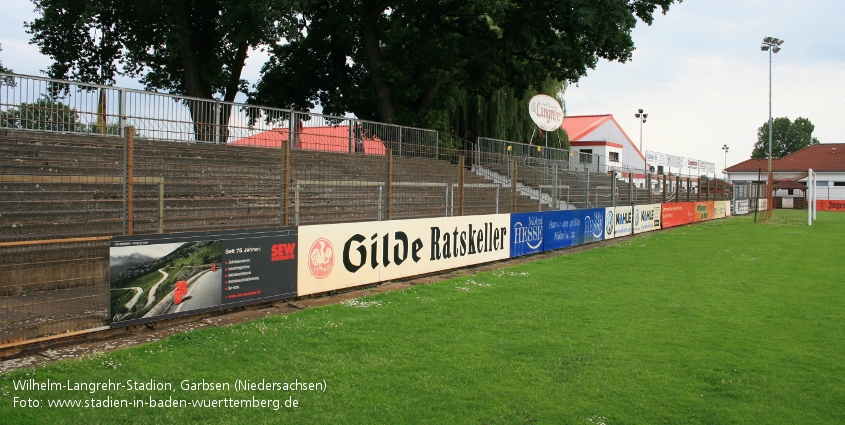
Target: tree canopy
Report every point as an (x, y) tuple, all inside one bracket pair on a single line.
[(787, 137), (411, 62), (3, 68), (434, 63)]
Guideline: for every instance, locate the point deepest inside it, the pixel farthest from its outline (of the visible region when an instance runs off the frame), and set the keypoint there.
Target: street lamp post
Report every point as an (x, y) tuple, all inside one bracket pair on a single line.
[(642, 116), (724, 170), (771, 45)]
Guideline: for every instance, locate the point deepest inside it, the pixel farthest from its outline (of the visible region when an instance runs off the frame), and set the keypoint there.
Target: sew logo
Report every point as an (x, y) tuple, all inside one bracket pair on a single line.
[(283, 251), (321, 258)]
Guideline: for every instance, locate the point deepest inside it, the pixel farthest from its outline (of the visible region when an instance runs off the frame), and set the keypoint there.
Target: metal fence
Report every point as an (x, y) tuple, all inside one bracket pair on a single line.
[(81, 163)]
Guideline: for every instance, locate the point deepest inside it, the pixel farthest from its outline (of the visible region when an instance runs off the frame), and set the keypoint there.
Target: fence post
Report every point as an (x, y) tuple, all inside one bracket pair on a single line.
[(217, 132), (630, 188), (613, 187), (296, 204), (678, 188), (497, 198), (664, 188), (285, 174), (121, 112), (130, 177), (389, 183), (380, 190), (587, 187), (461, 185), (513, 185), (554, 187)]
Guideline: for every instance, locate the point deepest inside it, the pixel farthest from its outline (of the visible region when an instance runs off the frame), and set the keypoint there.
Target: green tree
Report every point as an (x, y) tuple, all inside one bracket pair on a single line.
[(196, 48), (3, 68), (787, 137), (414, 62), (44, 114)]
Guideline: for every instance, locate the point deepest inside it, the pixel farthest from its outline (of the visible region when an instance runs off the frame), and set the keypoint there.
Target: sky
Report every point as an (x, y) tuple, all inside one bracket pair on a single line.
[(698, 72)]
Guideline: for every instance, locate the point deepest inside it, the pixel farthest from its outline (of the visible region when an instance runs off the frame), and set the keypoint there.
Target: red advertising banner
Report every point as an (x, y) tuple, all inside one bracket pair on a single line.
[(831, 205), (676, 214)]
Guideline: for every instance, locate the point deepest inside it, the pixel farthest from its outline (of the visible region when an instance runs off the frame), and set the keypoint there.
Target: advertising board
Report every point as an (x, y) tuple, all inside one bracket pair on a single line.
[(703, 211), (677, 214), (527, 233), (646, 218), (741, 207), (345, 255), (152, 277), (830, 205)]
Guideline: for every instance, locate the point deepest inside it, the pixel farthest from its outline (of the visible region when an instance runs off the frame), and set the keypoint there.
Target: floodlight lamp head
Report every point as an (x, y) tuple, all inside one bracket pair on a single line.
[(767, 40), (777, 41), (641, 111), (764, 47), (775, 49), (637, 115), (645, 116)]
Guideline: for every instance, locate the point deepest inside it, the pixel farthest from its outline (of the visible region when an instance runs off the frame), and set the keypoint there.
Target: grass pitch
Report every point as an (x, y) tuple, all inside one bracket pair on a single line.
[(717, 323)]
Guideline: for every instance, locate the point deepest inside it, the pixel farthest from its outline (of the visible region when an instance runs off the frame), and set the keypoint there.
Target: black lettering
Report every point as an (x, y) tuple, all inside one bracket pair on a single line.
[(504, 235), (447, 245), (416, 247), (463, 243), (471, 240), (385, 247), (403, 238), (361, 250), (374, 251), (435, 243)]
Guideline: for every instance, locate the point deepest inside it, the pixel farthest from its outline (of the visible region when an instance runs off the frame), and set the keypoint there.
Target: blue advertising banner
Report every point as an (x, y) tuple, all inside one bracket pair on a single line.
[(527, 231), (562, 229), (593, 225)]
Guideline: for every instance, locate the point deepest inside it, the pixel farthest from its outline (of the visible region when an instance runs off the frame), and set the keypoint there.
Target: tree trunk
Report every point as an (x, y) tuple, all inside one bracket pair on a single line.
[(382, 95)]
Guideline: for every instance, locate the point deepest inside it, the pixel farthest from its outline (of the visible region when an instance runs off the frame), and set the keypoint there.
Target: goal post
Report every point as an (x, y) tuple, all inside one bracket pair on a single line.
[(811, 196)]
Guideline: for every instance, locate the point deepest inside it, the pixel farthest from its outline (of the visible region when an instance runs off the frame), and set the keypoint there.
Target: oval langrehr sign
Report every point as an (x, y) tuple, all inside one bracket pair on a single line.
[(546, 112)]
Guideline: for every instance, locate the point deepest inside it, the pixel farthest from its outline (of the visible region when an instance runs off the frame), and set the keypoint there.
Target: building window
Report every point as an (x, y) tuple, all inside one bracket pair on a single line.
[(839, 183), (586, 156), (614, 156), (789, 192)]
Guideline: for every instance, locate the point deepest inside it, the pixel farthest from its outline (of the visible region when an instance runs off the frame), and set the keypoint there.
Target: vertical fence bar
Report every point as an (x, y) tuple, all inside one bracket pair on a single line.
[(130, 184), (664, 188), (389, 183), (296, 204), (556, 205), (613, 188), (461, 185), (161, 206), (285, 175), (587, 187), (631, 187), (513, 186)]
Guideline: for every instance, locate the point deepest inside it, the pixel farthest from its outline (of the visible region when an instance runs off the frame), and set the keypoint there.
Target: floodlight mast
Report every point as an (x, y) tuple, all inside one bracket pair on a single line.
[(771, 45), (642, 118)]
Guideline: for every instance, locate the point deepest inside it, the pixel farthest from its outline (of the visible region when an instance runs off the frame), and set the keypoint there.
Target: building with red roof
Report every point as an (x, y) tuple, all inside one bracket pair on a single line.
[(602, 137), (322, 138), (826, 159)]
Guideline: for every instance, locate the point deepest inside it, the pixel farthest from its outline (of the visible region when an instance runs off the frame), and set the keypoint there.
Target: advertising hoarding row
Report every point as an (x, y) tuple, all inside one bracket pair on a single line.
[(155, 277)]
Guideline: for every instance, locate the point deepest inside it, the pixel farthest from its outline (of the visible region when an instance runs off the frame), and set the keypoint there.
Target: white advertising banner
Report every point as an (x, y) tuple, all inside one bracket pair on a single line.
[(609, 223), (741, 207), (691, 164), (646, 218), (623, 221), (655, 158), (707, 167), (352, 254), (721, 209), (674, 161), (763, 204)]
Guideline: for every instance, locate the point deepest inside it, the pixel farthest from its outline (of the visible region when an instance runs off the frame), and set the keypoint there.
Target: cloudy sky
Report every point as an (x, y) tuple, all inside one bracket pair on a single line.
[(698, 72)]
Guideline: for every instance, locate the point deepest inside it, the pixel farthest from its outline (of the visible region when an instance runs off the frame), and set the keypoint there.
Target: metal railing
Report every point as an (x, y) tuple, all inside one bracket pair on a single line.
[(80, 163)]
